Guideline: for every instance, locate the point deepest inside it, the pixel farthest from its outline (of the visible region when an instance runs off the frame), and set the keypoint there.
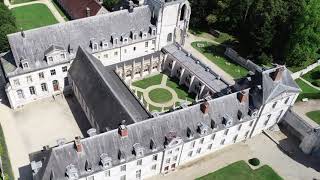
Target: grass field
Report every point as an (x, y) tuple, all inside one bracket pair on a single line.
[(150, 81), (307, 91), (181, 91), (160, 95), (241, 171), (33, 16), (5, 157), (20, 1), (314, 115), (216, 55)]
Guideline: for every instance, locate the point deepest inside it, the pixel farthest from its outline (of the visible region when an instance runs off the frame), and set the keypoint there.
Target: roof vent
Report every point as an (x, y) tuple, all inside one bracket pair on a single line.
[(77, 144), (242, 96), (123, 130), (35, 166), (204, 107), (92, 132), (61, 141), (72, 172)]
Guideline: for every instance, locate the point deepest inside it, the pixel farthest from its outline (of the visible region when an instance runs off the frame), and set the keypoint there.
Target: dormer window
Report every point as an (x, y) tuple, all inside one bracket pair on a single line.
[(153, 32), (50, 59), (72, 172), (105, 160), (63, 56), (95, 47), (25, 65), (134, 36), (144, 35), (202, 128), (125, 40), (138, 150), (227, 121)]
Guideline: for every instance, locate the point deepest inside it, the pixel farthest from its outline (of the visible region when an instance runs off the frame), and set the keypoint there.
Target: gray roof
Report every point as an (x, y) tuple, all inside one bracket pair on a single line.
[(195, 66), (108, 99), (76, 33), (58, 158)]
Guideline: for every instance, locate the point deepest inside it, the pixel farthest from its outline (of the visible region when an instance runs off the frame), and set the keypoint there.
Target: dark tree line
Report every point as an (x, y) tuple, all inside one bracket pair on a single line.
[(7, 26), (280, 31)]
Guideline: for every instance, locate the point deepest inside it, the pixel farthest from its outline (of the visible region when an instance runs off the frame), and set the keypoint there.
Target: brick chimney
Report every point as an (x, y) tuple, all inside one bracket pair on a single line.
[(242, 96), (204, 107), (123, 131), (77, 144), (277, 75)]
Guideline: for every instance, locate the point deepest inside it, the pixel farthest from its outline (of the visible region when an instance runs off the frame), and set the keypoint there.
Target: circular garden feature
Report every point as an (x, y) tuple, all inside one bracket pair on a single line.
[(160, 95), (254, 161)]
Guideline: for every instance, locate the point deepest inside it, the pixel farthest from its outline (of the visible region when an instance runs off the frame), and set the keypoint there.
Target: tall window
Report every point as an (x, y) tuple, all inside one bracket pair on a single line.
[(274, 104), (20, 94), (169, 37), (32, 90), (287, 100), (123, 168), (138, 174), (44, 87), (107, 173), (16, 82), (182, 12), (63, 56), (146, 44), (41, 75), (25, 65), (29, 79), (123, 177)]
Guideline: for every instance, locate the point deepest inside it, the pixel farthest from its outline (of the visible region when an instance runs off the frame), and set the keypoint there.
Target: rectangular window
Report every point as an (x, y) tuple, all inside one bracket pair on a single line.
[(20, 94), (123, 177), (63, 56), (222, 141), (155, 157), (168, 160), (226, 132), (29, 79), (198, 150), (251, 123), (274, 104), (239, 127), (193, 144), (170, 152), (146, 44), (123, 168), (64, 69), (16, 82), (116, 53), (107, 173), (53, 72), (190, 153), (175, 158), (44, 87), (41, 75), (287, 100), (32, 90), (25, 65), (177, 149), (125, 50), (138, 174), (246, 135), (50, 59), (210, 146), (235, 138), (134, 48), (201, 140), (139, 162), (105, 55), (213, 136), (154, 167)]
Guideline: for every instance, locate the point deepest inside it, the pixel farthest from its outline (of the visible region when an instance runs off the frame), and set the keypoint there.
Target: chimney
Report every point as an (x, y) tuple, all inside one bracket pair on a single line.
[(77, 144), (92, 132), (88, 11), (131, 4), (123, 131), (277, 75), (204, 107), (242, 96)]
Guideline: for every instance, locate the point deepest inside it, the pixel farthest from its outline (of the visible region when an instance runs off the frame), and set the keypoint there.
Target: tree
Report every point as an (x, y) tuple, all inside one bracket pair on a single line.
[(109, 4), (304, 43), (4, 30)]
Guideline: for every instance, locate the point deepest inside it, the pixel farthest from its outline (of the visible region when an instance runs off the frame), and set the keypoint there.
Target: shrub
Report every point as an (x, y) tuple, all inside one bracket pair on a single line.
[(254, 161)]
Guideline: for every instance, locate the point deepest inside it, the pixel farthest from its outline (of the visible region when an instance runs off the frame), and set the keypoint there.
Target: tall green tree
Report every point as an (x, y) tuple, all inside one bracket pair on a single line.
[(304, 43), (7, 26)]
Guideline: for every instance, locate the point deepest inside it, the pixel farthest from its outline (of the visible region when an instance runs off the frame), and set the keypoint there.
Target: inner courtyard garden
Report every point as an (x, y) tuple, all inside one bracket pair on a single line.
[(159, 93)]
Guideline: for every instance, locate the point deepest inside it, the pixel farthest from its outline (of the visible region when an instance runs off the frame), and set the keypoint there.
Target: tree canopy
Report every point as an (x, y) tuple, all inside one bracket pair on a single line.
[(7, 21)]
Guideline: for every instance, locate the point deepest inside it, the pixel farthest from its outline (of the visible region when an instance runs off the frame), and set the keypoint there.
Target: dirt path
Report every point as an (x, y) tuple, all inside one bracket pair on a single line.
[(48, 3), (191, 38)]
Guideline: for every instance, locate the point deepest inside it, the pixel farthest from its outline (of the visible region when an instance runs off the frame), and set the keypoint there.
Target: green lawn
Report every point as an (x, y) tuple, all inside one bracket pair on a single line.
[(315, 116), (216, 55), (181, 91), (150, 81), (5, 157), (33, 16), (307, 91), (313, 76), (241, 171), (203, 32), (160, 95)]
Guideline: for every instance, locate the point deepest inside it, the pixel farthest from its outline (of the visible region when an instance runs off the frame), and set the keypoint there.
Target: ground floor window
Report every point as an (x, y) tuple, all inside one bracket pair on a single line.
[(20, 94), (44, 87), (66, 81), (32, 90), (55, 85)]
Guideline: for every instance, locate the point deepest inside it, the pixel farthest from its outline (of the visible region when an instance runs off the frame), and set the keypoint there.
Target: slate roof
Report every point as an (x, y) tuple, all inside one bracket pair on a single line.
[(108, 99), (195, 66), (76, 9), (76, 33), (58, 158)]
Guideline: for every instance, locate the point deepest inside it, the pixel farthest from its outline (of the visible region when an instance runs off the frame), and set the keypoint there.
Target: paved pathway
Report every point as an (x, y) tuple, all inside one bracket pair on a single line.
[(192, 38), (48, 3), (259, 146), (301, 108)]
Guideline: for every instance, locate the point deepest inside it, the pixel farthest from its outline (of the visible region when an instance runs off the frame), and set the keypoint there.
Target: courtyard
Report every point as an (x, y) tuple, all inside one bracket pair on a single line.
[(159, 93), (39, 124)]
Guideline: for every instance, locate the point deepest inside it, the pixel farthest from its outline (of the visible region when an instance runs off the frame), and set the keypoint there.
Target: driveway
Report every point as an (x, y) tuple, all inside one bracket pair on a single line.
[(259, 146), (38, 124)]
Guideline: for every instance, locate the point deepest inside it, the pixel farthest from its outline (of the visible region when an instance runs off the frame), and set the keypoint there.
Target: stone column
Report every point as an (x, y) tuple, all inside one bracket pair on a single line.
[(124, 71), (142, 67), (133, 69), (191, 82), (171, 70), (159, 64), (201, 91), (150, 67), (181, 76)]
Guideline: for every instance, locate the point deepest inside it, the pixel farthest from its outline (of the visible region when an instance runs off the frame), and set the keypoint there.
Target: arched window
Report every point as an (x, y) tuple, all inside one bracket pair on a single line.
[(182, 12), (169, 37), (20, 94)]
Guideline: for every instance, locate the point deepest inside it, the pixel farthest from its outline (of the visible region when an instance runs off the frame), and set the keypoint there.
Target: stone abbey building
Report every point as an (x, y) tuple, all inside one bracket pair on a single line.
[(98, 57)]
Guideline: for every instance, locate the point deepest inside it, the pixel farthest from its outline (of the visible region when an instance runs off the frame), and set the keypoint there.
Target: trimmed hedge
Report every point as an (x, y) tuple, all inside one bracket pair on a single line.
[(254, 161)]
